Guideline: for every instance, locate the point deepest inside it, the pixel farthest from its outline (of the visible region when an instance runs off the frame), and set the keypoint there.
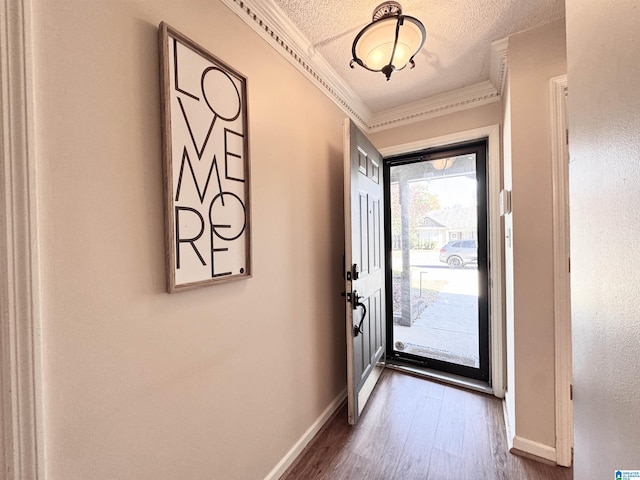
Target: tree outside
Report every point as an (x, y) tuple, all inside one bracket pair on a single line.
[(421, 202)]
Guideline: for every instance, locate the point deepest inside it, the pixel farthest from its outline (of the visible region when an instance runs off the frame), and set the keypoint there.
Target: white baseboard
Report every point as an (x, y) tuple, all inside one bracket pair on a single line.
[(535, 449), (304, 440), (524, 446)]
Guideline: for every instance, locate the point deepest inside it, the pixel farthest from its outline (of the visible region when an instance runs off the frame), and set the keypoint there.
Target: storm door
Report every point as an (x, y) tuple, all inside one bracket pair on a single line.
[(436, 246)]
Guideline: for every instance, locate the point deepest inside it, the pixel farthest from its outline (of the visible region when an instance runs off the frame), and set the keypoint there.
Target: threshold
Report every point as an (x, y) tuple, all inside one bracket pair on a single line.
[(448, 378)]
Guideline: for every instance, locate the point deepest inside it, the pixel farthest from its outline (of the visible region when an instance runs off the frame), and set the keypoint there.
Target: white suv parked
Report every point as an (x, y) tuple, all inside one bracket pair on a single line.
[(459, 253)]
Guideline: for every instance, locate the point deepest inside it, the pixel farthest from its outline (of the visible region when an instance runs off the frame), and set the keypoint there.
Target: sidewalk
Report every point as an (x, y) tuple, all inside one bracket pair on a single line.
[(448, 328)]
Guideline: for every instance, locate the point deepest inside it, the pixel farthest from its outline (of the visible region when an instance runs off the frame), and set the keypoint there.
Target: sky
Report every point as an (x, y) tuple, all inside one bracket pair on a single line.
[(454, 191)]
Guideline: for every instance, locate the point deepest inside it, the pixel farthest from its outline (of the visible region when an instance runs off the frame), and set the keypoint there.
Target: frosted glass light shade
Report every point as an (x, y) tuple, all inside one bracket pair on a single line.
[(389, 42), (375, 45)]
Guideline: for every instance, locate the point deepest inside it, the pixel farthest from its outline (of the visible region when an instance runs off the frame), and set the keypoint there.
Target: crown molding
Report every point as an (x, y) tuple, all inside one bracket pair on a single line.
[(435, 106), (499, 64), (268, 21)]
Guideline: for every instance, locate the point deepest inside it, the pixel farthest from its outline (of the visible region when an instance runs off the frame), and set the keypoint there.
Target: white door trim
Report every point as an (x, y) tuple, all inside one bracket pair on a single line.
[(20, 373), (496, 287), (561, 275)]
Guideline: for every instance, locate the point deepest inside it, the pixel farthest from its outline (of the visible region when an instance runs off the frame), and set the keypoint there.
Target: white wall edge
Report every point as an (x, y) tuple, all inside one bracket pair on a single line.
[(508, 428), (496, 254), (562, 288), (20, 348), (496, 315), (306, 438), (524, 445)]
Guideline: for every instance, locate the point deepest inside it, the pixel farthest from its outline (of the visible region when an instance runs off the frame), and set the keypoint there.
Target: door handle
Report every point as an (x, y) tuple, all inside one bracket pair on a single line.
[(357, 329)]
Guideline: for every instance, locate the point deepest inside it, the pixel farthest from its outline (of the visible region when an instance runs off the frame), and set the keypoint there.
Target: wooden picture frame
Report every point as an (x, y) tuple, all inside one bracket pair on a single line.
[(206, 165)]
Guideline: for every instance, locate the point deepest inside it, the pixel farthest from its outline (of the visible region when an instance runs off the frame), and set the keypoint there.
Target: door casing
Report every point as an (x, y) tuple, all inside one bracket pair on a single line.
[(478, 148), (22, 445), (497, 350)]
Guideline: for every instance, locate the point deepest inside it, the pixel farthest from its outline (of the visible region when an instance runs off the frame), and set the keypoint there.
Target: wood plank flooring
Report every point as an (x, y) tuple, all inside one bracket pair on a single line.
[(415, 429)]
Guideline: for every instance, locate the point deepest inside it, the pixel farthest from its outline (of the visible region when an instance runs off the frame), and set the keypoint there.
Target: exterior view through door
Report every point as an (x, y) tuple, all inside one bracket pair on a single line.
[(436, 239)]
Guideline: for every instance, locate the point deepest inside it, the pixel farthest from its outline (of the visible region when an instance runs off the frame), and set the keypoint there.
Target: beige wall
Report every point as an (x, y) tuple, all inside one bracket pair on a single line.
[(215, 383), (603, 47), (220, 382), (535, 56)]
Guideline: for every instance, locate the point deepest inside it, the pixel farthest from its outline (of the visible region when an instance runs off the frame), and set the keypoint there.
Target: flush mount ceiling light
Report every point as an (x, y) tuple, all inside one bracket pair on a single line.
[(442, 163), (389, 42)]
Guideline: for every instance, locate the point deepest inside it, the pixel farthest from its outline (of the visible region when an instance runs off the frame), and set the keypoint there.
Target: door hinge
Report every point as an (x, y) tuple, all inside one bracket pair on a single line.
[(571, 392)]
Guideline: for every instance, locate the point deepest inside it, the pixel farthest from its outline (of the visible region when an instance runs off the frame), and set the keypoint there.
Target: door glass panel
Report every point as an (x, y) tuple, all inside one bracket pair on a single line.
[(434, 257)]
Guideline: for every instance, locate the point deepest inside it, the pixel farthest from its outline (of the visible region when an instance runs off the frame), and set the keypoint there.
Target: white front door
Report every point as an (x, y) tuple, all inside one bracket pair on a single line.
[(365, 272)]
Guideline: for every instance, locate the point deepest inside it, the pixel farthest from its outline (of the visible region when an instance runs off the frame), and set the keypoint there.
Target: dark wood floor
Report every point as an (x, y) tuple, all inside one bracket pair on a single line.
[(415, 429)]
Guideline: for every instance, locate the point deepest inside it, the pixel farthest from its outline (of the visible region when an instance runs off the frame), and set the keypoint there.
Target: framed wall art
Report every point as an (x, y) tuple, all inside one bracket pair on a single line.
[(206, 165)]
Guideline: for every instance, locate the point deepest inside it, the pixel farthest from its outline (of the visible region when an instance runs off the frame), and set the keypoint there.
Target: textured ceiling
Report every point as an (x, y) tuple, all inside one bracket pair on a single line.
[(456, 52)]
